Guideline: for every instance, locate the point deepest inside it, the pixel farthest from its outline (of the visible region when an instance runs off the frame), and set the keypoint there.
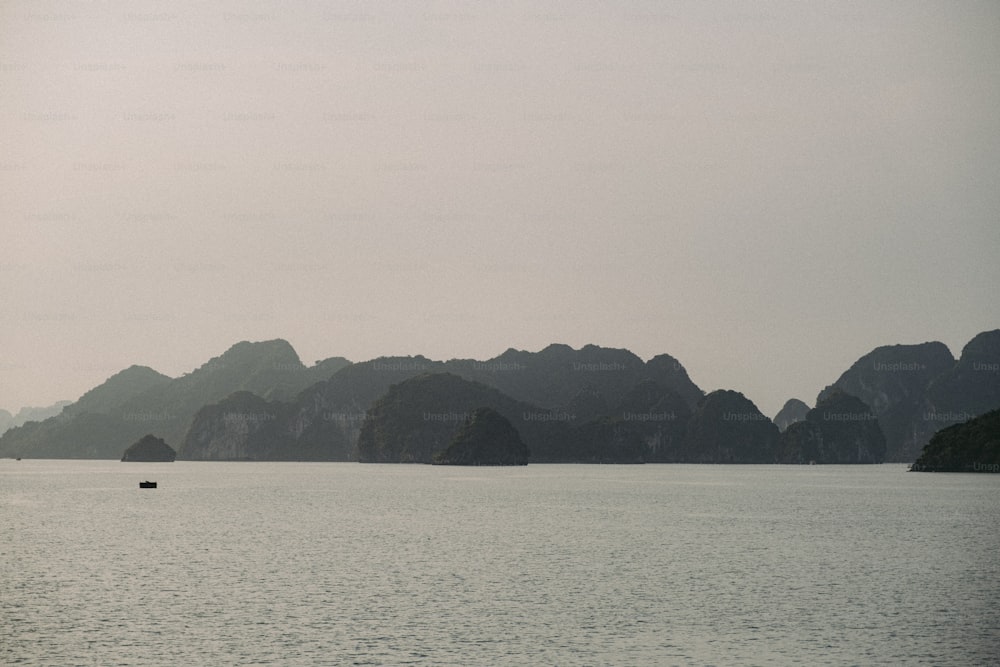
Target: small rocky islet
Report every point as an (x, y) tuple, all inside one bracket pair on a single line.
[(149, 449)]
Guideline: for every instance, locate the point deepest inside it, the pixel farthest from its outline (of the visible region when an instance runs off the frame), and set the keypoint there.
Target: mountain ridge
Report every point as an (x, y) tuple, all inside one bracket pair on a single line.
[(913, 391)]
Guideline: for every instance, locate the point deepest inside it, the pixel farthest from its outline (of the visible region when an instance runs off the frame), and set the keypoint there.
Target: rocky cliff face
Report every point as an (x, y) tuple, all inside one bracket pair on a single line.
[(793, 411), (245, 427), (893, 380), (726, 427), (485, 439), (969, 388), (841, 429), (655, 416), (973, 446), (916, 390), (242, 427), (604, 440)]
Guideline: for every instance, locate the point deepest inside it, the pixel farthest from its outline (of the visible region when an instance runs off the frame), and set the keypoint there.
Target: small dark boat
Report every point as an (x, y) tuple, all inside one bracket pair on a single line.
[(147, 485)]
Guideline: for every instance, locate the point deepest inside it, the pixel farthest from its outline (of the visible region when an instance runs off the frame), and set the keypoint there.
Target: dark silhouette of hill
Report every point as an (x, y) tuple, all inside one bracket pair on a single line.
[(337, 407), (658, 417), (566, 389), (840, 429), (420, 417), (117, 390), (92, 427), (969, 388), (126, 406), (973, 446), (485, 439), (554, 377), (591, 405), (893, 381), (577, 386), (726, 427), (916, 390), (245, 427), (149, 448), (793, 411)]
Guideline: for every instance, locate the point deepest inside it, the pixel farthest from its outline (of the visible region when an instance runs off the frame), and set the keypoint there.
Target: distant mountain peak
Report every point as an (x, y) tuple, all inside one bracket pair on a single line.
[(118, 389)]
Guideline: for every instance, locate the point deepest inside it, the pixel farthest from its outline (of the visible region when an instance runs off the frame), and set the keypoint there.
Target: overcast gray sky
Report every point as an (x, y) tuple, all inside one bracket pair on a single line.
[(764, 190)]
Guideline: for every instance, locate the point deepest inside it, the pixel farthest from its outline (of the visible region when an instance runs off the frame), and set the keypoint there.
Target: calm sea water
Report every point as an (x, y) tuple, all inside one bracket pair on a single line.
[(340, 564)]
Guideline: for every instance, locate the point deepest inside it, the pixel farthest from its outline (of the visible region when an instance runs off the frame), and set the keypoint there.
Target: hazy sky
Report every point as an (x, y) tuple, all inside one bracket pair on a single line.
[(765, 191)]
